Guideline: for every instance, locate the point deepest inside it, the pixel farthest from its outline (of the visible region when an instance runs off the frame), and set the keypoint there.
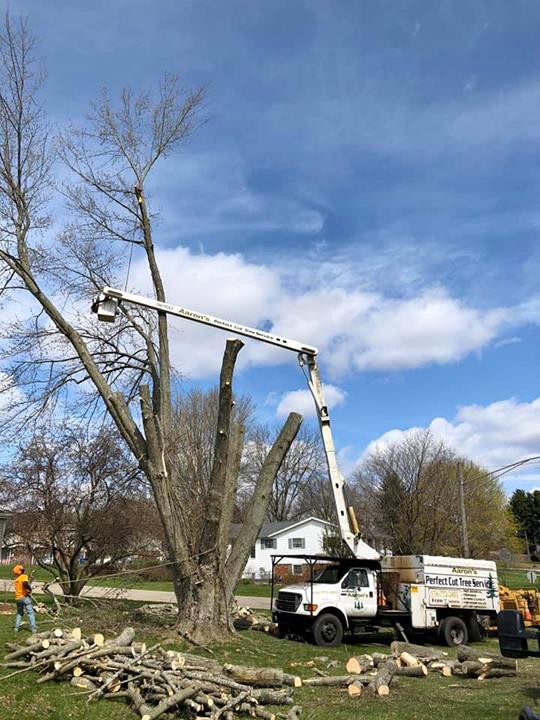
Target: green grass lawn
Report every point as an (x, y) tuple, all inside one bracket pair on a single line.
[(432, 698)]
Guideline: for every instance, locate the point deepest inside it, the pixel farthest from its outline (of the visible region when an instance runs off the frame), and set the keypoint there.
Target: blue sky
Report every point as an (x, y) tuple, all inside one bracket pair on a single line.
[(367, 181)]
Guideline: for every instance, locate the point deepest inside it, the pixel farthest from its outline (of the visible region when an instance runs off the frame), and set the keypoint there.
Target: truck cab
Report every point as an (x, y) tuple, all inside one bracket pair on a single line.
[(340, 595)]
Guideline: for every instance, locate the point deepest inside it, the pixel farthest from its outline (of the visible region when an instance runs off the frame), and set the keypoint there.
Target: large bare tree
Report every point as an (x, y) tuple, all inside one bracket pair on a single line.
[(110, 161)]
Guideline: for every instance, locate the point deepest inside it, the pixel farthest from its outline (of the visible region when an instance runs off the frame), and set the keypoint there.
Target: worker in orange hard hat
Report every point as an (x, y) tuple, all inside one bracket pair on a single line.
[(23, 597)]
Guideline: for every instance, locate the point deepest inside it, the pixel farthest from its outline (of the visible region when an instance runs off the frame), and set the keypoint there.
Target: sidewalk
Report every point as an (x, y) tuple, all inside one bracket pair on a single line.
[(152, 596)]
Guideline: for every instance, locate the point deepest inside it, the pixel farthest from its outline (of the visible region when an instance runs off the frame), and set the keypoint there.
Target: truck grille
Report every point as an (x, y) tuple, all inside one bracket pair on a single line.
[(288, 602)]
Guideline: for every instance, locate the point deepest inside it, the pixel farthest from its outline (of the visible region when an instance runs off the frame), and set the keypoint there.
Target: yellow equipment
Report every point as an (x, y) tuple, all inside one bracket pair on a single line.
[(525, 600)]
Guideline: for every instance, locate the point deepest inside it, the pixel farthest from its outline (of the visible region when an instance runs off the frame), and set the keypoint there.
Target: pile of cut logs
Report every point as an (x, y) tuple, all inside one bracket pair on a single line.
[(374, 674), (152, 680), (155, 681), (246, 619)]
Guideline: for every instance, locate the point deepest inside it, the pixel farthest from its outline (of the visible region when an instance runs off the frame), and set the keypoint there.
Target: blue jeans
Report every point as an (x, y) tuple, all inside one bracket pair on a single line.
[(25, 605)]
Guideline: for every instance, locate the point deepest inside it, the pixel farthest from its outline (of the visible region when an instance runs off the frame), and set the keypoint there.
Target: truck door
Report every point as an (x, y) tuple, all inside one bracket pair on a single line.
[(358, 594)]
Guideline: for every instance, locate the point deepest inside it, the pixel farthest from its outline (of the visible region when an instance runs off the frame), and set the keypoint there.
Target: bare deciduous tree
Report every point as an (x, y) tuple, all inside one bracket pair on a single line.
[(303, 472), (410, 492), (110, 161), (77, 502)]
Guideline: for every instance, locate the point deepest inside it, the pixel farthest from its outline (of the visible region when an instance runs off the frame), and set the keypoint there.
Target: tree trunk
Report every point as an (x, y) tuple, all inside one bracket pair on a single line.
[(203, 605)]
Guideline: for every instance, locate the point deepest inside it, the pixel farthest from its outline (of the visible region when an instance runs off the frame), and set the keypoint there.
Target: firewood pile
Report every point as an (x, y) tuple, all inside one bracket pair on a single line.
[(153, 680), (374, 674), (246, 619)]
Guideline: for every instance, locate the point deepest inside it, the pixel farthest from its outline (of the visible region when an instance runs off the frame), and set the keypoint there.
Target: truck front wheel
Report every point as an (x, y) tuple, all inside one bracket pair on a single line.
[(327, 630), (453, 631)]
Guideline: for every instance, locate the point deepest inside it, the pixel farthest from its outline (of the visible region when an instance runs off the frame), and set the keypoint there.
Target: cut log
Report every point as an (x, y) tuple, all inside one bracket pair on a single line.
[(424, 653), (268, 677), (78, 671), (464, 653), (332, 681), (83, 683), (472, 668), (497, 673), (97, 639), (359, 664), (355, 689), (380, 683), (125, 638), (412, 671), (21, 652), (267, 696), (379, 659), (76, 634), (408, 660)]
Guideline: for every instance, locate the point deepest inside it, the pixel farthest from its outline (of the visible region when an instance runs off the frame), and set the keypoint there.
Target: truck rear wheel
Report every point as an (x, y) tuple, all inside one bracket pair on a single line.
[(453, 631), (327, 630)]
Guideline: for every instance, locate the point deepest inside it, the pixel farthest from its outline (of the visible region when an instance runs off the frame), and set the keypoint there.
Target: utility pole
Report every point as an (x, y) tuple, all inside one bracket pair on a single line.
[(464, 533)]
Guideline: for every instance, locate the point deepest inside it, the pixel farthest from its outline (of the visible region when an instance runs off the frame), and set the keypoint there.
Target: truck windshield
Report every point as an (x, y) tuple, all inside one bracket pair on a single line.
[(331, 575)]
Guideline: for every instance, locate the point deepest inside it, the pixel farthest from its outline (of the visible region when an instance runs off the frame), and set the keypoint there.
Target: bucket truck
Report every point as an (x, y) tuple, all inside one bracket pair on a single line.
[(449, 596)]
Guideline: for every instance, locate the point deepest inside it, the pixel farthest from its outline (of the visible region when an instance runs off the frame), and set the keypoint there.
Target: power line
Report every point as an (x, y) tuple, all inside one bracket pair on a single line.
[(505, 469)]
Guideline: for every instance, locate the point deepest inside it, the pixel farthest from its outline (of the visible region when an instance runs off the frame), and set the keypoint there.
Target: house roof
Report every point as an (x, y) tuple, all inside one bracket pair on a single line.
[(270, 529)]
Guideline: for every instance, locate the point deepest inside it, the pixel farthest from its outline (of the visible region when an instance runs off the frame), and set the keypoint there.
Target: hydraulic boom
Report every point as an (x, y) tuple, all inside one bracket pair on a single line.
[(106, 307)]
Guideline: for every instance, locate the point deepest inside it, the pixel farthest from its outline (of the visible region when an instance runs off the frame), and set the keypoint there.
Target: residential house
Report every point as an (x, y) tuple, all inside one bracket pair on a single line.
[(302, 537)]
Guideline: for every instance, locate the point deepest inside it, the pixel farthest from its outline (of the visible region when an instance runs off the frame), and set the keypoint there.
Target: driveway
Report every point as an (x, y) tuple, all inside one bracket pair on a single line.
[(151, 596)]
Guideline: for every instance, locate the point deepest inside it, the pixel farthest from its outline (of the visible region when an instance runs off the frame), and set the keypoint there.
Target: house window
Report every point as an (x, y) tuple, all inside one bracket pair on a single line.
[(297, 569), (253, 552), (268, 543), (297, 543)]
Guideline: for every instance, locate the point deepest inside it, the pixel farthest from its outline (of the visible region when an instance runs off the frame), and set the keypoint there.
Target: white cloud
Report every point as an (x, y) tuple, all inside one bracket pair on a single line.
[(492, 435), (301, 401), (354, 329)]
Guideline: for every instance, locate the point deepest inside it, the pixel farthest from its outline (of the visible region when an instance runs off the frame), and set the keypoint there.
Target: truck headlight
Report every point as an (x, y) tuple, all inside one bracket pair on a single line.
[(308, 607)]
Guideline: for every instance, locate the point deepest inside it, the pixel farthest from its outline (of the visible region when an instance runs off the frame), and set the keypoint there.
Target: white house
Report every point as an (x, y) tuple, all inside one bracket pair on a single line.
[(302, 537)]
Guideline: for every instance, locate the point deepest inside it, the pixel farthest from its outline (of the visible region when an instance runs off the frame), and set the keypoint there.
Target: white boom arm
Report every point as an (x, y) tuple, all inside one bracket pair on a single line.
[(106, 307)]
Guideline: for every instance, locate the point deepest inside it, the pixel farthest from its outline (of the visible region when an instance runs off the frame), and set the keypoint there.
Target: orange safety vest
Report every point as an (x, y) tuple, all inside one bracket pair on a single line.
[(20, 590)]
